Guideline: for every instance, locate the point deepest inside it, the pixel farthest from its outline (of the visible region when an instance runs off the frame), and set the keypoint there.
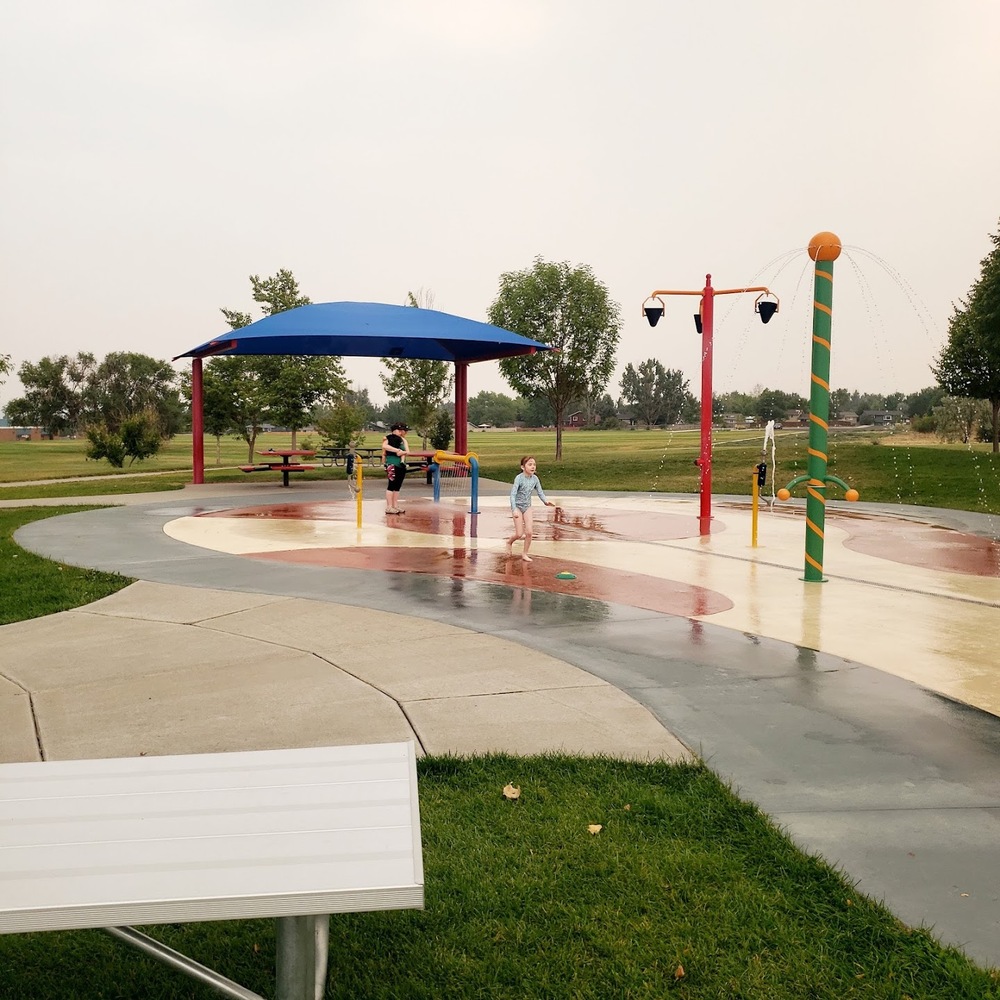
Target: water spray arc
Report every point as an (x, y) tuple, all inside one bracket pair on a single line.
[(824, 249)]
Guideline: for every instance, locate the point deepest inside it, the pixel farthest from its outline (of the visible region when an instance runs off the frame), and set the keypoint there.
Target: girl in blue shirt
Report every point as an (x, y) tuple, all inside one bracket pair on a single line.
[(526, 484)]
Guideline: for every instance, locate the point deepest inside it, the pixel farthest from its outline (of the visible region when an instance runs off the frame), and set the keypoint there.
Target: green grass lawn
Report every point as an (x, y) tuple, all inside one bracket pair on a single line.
[(685, 891), (883, 467)]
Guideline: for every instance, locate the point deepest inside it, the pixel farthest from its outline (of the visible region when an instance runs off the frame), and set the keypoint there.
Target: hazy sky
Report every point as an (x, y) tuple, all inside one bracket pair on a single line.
[(155, 154)]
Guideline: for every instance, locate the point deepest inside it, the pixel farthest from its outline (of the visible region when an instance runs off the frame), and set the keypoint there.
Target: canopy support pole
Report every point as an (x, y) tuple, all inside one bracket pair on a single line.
[(461, 407), (197, 424)]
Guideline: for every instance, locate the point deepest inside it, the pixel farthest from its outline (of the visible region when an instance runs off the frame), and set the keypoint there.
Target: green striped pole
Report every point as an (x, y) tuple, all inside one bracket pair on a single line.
[(824, 249)]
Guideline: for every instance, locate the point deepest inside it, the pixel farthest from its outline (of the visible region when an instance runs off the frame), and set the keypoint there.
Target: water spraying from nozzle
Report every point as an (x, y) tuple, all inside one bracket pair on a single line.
[(769, 436)]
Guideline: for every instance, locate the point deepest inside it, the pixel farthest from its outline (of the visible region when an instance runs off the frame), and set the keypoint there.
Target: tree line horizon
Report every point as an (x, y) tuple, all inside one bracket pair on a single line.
[(129, 403)]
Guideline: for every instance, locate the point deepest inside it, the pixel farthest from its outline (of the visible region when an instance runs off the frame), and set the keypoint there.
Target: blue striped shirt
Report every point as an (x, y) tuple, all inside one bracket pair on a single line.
[(524, 486)]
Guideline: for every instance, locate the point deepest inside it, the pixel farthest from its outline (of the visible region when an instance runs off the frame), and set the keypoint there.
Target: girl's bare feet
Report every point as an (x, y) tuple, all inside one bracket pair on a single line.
[(526, 558)]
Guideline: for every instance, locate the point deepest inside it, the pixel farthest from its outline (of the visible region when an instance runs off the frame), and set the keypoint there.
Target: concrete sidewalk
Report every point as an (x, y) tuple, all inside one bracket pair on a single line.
[(163, 669), (896, 784)]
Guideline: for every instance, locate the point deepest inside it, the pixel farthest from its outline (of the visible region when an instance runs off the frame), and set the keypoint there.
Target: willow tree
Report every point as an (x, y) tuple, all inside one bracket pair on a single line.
[(569, 309)]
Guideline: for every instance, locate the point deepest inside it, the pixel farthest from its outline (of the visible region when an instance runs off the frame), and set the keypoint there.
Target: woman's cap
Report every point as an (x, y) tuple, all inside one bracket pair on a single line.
[(400, 427)]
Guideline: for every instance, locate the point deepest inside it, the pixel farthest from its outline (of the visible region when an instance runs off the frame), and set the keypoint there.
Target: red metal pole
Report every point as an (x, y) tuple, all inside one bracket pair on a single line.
[(197, 424), (705, 458), (461, 407)]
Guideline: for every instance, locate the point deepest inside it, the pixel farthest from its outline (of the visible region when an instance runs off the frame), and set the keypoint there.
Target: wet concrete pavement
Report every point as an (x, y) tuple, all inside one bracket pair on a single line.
[(840, 708)]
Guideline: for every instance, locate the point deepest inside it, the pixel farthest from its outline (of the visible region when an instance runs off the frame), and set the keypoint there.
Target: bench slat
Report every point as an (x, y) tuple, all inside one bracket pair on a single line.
[(209, 837)]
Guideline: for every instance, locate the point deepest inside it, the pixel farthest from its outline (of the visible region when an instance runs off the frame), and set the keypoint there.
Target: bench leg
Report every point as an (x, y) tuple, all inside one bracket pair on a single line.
[(303, 948), (165, 954)]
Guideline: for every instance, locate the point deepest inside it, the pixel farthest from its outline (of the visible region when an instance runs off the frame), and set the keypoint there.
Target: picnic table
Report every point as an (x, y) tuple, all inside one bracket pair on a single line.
[(332, 456), (284, 466), (336, 457), (293, 834)]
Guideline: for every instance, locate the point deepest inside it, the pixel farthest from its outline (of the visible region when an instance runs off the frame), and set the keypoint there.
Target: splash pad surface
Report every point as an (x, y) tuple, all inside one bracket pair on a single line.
[(909, 598)]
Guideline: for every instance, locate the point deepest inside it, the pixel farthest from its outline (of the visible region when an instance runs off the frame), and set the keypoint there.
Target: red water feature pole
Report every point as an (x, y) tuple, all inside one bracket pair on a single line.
[(197, 424), (705, 454), (705, 324), (461, 407)]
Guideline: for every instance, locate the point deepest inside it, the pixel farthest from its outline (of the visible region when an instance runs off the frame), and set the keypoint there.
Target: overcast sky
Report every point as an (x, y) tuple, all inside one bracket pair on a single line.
[(156, 154)]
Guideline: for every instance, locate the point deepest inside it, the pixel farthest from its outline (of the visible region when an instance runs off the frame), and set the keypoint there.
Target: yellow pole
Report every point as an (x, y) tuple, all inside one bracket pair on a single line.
[(359, 472), (755, 493)]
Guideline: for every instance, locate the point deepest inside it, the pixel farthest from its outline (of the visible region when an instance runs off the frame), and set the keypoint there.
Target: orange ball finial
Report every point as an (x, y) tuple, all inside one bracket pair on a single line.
[(824, 246), (783, 494), (852, 495)]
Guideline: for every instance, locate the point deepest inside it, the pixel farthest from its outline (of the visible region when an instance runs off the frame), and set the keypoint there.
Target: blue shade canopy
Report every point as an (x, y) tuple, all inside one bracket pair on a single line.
[(370, 330)]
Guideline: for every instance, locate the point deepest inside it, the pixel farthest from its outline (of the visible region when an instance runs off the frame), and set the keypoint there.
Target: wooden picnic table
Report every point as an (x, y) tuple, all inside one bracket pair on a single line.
[(293, 834)]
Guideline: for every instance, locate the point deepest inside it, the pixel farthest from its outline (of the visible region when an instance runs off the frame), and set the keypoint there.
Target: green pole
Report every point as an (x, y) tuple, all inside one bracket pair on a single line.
[(824, 249)]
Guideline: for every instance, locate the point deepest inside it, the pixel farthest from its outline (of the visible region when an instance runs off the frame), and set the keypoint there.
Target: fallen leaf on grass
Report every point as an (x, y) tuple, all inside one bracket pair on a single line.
[(594, 828), (679, 972), (511, 792)]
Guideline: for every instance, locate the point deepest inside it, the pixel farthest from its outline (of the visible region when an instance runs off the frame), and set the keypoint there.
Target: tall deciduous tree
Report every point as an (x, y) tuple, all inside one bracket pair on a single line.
[(569, 309), (494, 408), (969, 365), (126, 384), (655, 393), (284, 389), (421, 385), (131, 406), (53, 396)]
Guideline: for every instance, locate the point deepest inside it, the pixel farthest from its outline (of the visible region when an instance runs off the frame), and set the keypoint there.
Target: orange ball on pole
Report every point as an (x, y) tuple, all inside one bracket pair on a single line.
[(825, 246)]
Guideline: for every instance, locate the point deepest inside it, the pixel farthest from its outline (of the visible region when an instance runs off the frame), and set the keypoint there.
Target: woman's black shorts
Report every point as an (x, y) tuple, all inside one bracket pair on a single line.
[(395, 474)]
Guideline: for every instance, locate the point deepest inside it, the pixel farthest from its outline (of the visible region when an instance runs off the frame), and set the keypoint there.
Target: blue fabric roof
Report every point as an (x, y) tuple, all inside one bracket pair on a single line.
[(370, 330)]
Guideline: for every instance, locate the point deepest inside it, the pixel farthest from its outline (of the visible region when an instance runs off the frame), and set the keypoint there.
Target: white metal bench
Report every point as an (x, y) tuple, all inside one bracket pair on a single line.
[(293, 834)]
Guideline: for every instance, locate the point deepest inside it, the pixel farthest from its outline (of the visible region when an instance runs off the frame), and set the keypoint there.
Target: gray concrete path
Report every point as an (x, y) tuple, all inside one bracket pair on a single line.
[(898, 785)]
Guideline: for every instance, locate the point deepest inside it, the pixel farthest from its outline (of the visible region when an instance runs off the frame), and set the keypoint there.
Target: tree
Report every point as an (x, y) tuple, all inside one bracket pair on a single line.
[(138, 436), (442, 430), (773, 404), (234, 399), (958, 418), (969, 365), (570, 310), (131, 405), (920, 404), (493, 408), (421, 384), (840, 402), (537, 412), (53, 396), (282, 389), (127, 384), (655, 393), (5, 367), (342, 425)]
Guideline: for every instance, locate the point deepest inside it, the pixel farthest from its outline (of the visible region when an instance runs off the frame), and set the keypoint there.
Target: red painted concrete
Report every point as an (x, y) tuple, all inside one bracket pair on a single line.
[(901, 541), (923, 545), (634, 589)]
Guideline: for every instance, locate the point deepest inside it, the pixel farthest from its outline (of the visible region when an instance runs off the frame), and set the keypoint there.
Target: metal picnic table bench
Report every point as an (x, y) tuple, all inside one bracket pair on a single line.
[(292, 834), (331, 456), (285, 466)]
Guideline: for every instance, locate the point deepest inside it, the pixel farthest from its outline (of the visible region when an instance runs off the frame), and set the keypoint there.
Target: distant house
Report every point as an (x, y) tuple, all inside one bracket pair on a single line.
[(576, 419), (8, 433), (846, 418), (881, 418)]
